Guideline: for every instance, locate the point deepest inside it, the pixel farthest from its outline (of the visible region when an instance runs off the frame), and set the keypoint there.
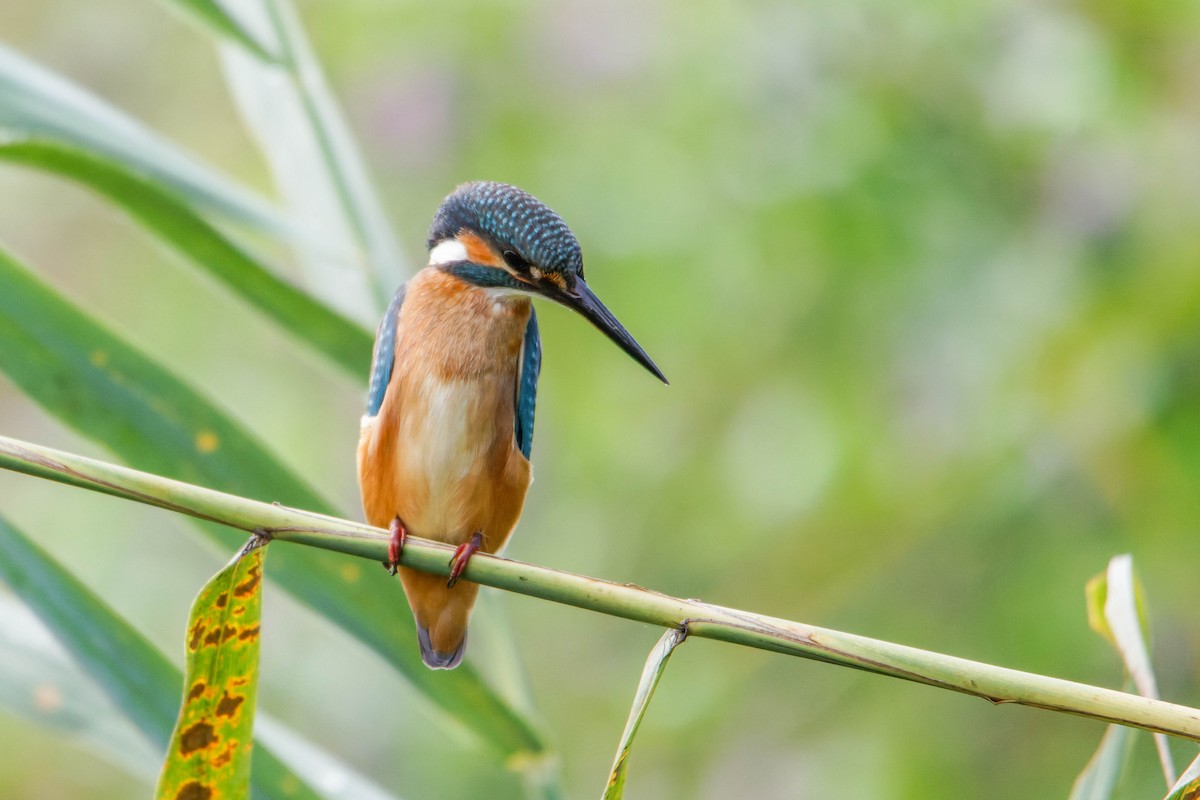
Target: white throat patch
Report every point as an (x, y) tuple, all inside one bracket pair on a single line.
[(448, 252)]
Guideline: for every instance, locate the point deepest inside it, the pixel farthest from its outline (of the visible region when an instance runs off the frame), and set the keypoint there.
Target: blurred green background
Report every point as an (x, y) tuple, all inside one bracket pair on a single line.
[(924, 279)]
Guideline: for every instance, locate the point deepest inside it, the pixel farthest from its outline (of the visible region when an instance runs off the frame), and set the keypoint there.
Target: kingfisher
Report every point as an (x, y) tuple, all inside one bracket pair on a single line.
[(443, 450)]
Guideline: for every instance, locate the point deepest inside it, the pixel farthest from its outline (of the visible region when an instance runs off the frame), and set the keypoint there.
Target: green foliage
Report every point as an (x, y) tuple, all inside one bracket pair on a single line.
[(209, 753), (214, 15), (106, 389), (1188, 785), (1116, 609), (923, 277), (344, 342), (656, 664), (141, 682), (1102, 774), (136, 677), (36, 102)]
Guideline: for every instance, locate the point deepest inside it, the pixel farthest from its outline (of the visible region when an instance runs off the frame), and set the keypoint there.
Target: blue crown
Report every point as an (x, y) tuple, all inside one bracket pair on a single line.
[(513, 220)]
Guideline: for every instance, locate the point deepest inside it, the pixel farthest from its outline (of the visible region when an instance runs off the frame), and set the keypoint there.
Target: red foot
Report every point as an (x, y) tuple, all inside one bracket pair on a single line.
[(396, 545), (462, 555)]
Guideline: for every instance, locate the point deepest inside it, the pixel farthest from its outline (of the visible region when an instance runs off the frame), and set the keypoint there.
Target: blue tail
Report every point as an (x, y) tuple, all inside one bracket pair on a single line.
[(435, 659)]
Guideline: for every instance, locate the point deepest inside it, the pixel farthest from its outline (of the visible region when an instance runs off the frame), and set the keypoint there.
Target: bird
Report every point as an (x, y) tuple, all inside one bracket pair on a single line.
[(444, 445)]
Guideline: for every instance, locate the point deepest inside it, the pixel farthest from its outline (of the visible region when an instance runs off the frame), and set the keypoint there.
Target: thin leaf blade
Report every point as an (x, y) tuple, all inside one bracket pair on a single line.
[(1098, 780), (39, 682), (342, 341), (211, 746), (37, 102), (345, 162), (213, 16), (274, 115), (1115, 611), (145, 688), (328, 775), (1188, 785), (316, 165), (1124, 613), (656, 664)]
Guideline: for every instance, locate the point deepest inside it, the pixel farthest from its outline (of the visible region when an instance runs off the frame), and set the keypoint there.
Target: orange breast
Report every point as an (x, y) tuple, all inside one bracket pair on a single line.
[(441, 453)]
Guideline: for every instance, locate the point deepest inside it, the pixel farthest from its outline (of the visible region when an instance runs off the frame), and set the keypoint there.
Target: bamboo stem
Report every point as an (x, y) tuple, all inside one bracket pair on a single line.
[(996, 684)]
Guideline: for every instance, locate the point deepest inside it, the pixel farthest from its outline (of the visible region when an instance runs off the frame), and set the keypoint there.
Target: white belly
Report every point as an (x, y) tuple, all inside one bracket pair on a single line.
[(443, 445), (449, 432)]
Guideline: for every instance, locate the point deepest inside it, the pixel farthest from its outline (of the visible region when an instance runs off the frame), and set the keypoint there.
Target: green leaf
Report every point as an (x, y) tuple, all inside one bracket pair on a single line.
[(39, 682), (344, 342), (131, 671), (213, 16), (141, 683), (1096, 594), (1098, 781), (1116, 610), (316, 163), (209, 754), (655, 665), (37, 102), (111, 393), (1188, 785)]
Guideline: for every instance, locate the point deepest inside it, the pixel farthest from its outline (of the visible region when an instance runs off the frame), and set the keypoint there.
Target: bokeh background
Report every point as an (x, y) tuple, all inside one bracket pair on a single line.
[(924, 278)]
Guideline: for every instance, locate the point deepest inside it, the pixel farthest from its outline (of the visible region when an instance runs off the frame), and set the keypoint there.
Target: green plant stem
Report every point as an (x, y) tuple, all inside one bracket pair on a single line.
[(996, 684)]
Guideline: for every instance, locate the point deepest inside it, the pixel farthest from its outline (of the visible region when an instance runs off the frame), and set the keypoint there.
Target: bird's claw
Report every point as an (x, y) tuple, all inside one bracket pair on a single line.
[(395, 545), (462, 555)]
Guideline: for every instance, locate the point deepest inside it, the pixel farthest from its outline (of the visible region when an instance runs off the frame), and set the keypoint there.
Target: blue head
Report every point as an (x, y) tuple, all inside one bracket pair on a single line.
[(499, 237)]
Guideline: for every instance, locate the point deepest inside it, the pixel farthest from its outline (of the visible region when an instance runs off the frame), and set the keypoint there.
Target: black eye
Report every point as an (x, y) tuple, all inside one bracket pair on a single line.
[(515, 261)]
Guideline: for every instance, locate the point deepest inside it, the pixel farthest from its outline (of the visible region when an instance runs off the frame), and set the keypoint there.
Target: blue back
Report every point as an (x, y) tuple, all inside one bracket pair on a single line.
[(385, 353), (531, 365)]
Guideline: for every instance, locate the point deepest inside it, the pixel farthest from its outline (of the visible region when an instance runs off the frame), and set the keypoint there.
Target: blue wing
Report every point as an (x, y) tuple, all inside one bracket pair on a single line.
[(385, 353), (531, 365)]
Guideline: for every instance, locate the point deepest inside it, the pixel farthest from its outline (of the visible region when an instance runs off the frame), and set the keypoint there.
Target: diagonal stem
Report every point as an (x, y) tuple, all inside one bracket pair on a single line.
[(997, 684)]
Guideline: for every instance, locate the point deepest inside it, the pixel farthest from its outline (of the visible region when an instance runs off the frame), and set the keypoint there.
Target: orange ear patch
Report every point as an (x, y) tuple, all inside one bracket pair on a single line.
[(479, 251)]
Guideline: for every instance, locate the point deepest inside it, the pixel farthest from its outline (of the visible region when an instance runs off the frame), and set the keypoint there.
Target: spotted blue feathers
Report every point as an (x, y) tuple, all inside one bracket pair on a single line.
[(512, 219), (531, 365), (385, 353)]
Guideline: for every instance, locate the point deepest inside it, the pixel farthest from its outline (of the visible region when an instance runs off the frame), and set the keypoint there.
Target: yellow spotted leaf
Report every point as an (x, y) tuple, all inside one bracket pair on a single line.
[(209, 754)]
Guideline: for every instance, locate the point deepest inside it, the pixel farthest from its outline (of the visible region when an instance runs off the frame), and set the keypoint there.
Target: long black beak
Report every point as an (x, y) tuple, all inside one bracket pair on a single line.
[(584, 301)]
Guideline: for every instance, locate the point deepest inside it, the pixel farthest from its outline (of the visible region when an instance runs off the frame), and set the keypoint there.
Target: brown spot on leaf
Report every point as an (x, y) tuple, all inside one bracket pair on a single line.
[(192, 790), (228, 705), (195, 636), (198, 736), (197, 689), (248, 586), (249, 633), (221, 600)]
